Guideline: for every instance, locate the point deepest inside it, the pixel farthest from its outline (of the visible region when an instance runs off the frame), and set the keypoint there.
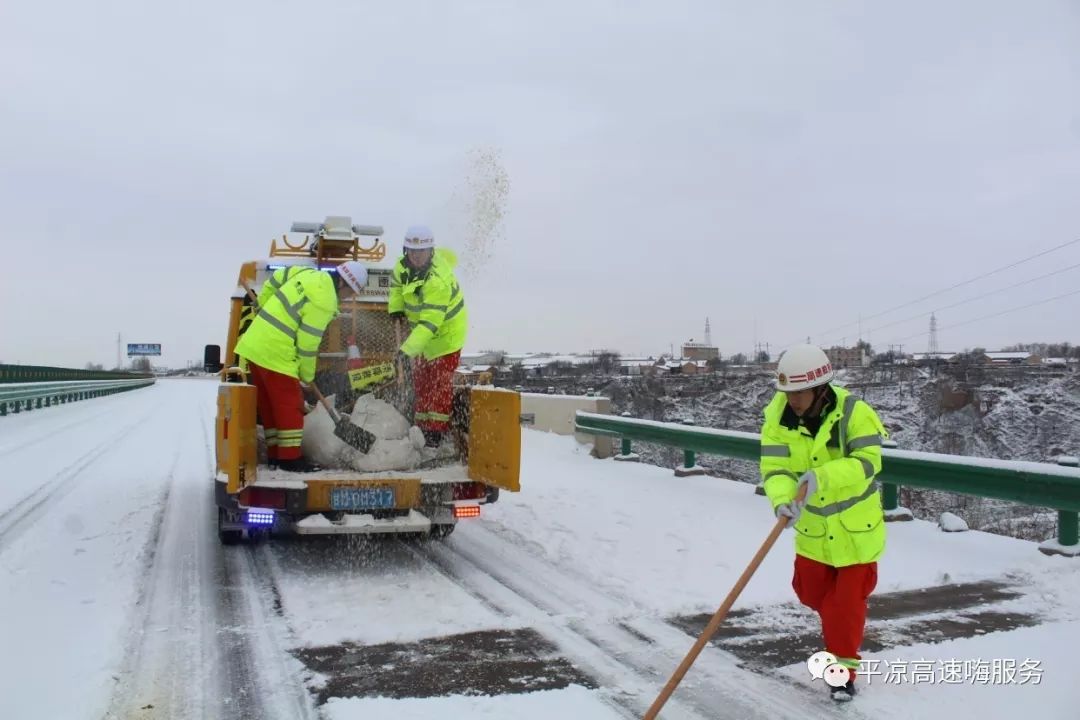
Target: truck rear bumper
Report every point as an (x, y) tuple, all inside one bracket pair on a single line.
[(359, 524)]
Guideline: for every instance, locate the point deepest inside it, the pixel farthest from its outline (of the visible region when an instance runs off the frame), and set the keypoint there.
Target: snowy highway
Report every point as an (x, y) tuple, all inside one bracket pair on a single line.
[(576, 597)]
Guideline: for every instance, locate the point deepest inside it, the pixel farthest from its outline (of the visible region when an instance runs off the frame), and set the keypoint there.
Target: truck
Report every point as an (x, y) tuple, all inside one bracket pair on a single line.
[(256, 501)]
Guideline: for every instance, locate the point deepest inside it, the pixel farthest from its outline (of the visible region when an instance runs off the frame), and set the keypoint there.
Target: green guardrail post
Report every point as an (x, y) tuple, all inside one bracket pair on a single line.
[(626, 451), (1068, 537), (690, 466), (890, 492)]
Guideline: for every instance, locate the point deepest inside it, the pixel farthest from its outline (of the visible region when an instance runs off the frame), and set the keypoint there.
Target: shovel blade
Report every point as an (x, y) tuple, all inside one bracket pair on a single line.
[(354, 436)]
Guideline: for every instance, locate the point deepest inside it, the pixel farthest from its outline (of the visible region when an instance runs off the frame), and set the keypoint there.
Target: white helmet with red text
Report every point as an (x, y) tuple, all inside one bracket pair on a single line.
[(802, 367)]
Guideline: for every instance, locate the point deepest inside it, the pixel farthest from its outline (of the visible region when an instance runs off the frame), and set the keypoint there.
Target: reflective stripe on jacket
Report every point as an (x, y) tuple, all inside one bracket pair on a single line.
[(843, 523), (433, 304), (295, 306)]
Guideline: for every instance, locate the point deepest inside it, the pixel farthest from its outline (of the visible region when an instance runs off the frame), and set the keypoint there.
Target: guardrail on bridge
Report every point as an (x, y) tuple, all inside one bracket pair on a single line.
[(1048, 485), (28, 387)]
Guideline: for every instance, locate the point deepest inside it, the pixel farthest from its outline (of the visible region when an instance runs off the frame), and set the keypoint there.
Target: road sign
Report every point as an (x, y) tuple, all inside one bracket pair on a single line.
[(143, 349)]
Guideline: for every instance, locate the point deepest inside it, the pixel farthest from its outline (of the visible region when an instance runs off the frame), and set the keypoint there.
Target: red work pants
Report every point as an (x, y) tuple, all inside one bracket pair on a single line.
[(434, 384), (281, 411), (839, 596)]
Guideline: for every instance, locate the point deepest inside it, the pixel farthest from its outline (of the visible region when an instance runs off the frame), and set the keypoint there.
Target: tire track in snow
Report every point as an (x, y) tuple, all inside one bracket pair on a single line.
[(615, 639), (260, 658), (24, 513), (203, 644)]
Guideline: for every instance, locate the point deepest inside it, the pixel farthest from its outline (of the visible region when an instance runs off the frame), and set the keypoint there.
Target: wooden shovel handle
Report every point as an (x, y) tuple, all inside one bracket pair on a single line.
[(721, 613), (397, 337), (325, 402)]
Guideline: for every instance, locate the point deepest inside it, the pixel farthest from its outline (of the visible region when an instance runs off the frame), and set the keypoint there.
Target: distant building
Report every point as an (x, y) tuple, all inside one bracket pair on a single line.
[(1013, 358), (841, 357), (923, 359), (700, 351)]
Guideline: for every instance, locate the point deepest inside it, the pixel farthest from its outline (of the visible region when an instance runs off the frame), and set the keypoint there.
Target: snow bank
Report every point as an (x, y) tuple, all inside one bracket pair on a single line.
[(398, 447), (949, 522)]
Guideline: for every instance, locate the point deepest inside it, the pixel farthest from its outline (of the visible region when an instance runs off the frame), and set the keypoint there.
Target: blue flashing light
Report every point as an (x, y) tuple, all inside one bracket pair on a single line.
[(332, 269), (260, 517)]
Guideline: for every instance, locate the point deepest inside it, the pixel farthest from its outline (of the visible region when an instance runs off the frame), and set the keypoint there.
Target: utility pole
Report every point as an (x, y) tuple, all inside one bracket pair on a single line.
[(118, 361)]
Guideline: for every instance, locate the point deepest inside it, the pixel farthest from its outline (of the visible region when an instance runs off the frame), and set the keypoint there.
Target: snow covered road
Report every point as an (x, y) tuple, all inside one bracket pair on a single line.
[(117, 601)]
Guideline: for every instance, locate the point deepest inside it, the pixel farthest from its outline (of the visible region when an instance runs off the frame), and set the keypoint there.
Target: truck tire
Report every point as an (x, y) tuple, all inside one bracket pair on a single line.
[(440, 532), (228, 537)]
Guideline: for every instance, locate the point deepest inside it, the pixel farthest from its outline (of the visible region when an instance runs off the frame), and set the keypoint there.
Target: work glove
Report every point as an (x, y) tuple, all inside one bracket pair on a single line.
[(790, 510), (809, 479)]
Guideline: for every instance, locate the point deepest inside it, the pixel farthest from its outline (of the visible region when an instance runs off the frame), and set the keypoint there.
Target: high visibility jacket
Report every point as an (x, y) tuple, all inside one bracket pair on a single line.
[(842, 523), (295, 306), (433, 304)]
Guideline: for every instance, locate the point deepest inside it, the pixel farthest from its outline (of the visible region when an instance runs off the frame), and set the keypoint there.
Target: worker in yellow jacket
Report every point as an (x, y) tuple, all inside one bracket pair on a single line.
[(425, 294), (820, 437), (281, 347)]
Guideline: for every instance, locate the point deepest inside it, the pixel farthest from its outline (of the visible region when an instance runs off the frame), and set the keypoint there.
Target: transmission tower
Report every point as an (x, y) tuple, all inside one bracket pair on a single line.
[(933, 350)]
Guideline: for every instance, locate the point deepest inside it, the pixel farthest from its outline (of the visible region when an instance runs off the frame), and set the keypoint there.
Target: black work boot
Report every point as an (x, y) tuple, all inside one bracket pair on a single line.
[(844, 693), (299, 465), (432, 438)]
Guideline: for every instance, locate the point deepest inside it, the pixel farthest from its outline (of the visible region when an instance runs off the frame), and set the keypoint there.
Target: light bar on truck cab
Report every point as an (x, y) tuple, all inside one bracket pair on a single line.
[(328, 268), (466, 511)]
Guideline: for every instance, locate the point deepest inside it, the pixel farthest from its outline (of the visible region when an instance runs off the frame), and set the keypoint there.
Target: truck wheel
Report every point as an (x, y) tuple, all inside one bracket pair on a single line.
[(228, 537), (438, 532)]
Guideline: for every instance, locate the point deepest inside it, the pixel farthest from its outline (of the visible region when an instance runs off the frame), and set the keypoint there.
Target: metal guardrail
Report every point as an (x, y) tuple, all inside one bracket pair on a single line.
[(1048, 485), (46, 373), (19, 397)]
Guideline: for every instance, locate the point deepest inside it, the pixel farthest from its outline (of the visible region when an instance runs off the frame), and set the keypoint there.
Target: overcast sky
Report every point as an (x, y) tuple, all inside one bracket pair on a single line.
[(783, 168)]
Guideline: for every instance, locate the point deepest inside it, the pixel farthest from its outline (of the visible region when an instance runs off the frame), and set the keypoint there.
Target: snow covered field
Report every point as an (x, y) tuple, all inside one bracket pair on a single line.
[(117, 600)]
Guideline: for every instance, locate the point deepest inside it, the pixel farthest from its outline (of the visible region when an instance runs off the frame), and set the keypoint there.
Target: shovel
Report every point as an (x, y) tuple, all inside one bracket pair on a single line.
[(718, 617), (344, 429)]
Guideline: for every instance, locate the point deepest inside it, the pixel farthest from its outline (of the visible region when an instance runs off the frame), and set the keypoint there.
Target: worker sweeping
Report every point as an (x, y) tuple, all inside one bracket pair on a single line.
[(281, 347), (819, 435), (425, 294)]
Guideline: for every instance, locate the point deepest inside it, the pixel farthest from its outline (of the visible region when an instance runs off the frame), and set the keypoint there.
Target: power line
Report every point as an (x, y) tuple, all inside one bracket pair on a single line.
[(997, 314), (953, 287), (973, 299)]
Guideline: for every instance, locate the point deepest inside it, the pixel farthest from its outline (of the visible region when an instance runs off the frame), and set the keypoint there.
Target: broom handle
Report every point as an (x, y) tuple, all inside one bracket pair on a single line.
[(718, 617)]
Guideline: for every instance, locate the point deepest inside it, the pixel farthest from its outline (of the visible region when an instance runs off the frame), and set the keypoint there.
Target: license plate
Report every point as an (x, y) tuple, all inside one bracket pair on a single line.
[(369, 498)]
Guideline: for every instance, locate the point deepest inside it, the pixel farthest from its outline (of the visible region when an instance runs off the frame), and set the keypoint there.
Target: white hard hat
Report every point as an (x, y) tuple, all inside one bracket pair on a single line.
[(354, 273), (802, 367), (419, 237)]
